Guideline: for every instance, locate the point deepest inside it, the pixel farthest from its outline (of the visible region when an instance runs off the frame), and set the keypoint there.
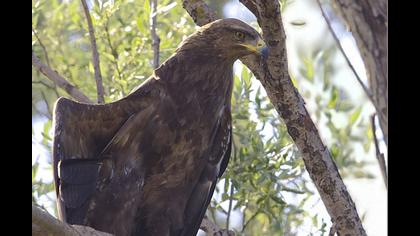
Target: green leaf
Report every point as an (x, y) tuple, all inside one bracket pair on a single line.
[(355, 115), (261, 166), (140, 24), (362, 174), (225, 196), (345, 106), (257, 98), (294, 80), (261, 199), (226, 186), (90, 67), (47, 127), (309, 69), (147, 9), (34, 170), (335, 151), (369, 137), (315, 220), (299, 22), (277, 199), (334, 98)]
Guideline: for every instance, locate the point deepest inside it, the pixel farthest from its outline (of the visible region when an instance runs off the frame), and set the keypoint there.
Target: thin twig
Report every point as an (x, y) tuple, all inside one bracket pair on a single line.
[(114, 52), (52, 87), (337, 40), (59, 80), (44, 84), (249, 220), (296, 191), (220, 208), (379, 156), (243, 214), (231, 188), (155, 37), (95, 55), (41, 112), (333, 230), (213, 213), (230, 206), (42, 46), (250, 4), (114, 55), (49, 116)]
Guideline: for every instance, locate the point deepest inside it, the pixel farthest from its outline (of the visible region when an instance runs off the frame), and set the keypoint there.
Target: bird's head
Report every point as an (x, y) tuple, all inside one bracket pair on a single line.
[(229, 39)]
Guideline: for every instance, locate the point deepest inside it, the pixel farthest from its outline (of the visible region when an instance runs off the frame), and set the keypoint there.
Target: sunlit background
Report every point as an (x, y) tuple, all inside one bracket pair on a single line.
[(312, 53)]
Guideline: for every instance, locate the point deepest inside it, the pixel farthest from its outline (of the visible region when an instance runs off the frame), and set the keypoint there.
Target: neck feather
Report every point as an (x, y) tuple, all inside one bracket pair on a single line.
[(190, 77)]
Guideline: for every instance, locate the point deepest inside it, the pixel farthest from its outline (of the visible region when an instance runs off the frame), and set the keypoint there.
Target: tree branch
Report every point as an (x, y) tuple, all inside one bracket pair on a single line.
[(248, 221), (230, 206), (44, 84), (155, 37), (333, 230), (274, 76), (368, 22), (113, 50), (337, 41), (59, 80), (199, 11), (49, 114), (231, 190), (213, 230), (51, 87), (379, 156), (42, 46), (44, 224), (250, 4), (95, 55)]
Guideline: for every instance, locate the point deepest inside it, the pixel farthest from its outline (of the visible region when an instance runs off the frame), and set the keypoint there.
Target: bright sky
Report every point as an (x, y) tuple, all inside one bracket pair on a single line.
[(370, 196)]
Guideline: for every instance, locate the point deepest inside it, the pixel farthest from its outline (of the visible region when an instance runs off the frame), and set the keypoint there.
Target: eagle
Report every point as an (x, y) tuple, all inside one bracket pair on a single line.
[(148, 163)]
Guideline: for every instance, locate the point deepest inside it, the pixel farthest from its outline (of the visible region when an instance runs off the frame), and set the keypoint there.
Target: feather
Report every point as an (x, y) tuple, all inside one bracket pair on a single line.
[(148, 164)]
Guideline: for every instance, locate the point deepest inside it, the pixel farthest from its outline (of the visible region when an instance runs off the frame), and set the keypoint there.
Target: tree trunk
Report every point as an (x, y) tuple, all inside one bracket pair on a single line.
[(274, 76)]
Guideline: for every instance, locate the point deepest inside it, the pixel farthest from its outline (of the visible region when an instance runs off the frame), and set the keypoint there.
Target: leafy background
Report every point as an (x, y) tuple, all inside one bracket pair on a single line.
[(265, 190)]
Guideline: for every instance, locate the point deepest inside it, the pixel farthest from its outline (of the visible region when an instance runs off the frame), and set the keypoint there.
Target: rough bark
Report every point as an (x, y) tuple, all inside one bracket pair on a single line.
[(44, 224), (213, 230), (274, 76), (199, 11), (368, 22)]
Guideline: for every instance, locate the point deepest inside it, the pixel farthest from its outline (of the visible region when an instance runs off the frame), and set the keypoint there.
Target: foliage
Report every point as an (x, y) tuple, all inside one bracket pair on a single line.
[(334, 111), (266, 173)]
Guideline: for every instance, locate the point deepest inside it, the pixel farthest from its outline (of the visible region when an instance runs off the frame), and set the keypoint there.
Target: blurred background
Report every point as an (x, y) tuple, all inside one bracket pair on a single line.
[(266, 189)]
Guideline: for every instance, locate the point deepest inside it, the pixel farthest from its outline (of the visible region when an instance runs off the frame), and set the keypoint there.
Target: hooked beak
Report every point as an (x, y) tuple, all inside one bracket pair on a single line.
[(260, 47)]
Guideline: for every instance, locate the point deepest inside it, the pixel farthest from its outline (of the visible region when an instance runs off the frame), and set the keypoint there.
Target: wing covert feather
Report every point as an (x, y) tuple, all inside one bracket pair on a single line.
[(218, 159), (81, 132)]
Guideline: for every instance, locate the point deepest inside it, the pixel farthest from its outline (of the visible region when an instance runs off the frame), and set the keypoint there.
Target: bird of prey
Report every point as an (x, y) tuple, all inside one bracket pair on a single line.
[(148, 164)]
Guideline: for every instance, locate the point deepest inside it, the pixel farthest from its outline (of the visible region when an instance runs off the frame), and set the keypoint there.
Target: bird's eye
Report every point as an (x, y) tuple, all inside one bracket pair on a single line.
[(239, 35)]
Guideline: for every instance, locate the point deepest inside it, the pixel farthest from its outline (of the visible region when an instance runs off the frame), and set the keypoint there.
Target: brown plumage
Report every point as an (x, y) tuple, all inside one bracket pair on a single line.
[(148, 163)]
